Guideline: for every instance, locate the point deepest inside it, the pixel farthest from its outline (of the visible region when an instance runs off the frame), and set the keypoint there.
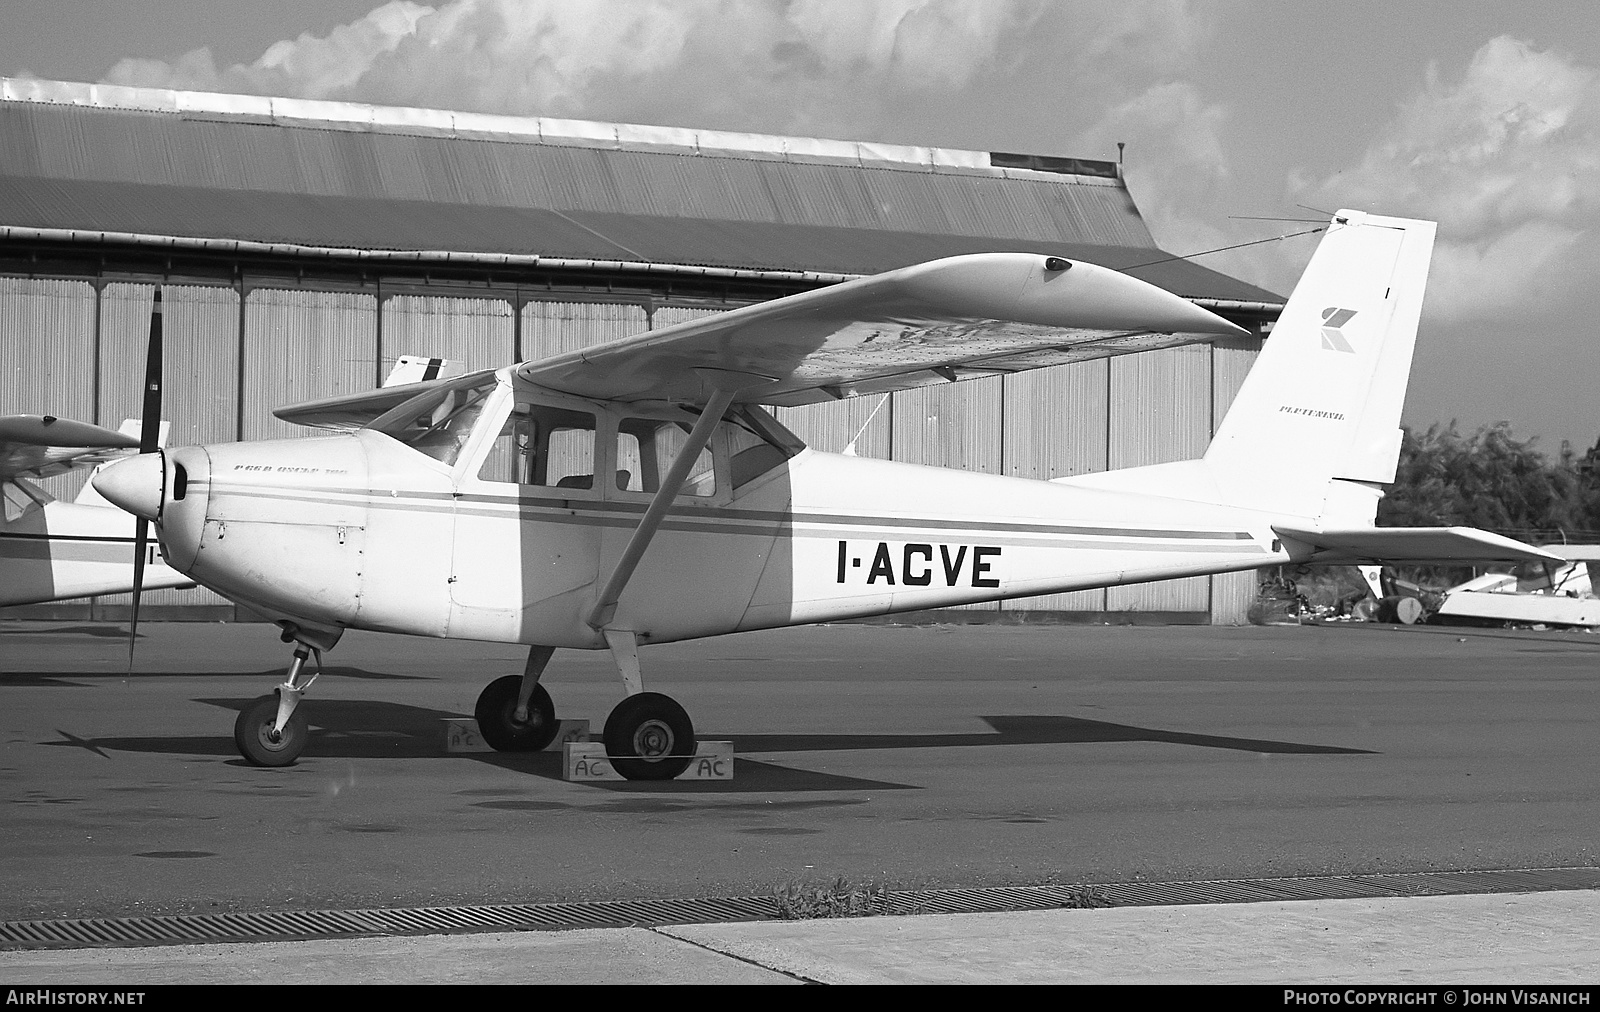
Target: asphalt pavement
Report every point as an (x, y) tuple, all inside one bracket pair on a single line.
[(915, 758)]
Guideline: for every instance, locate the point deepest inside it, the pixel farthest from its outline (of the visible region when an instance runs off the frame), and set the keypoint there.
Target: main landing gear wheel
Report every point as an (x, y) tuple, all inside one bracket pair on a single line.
[(649, 737), (259, 744), (497, 722)]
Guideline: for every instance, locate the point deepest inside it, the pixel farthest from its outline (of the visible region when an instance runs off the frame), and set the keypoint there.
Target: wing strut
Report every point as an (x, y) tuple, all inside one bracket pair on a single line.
[(605, 605)]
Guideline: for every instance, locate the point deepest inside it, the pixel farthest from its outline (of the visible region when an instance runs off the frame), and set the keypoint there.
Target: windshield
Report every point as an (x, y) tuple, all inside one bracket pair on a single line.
[(438, 422)]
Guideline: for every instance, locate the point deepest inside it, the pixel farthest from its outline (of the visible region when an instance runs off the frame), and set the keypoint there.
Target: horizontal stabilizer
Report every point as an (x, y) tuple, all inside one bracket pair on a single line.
[(421, 368), (133, 426), (1413, 544)]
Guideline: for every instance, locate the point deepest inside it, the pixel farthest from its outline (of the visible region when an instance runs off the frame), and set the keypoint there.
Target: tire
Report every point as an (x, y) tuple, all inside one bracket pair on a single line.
[(649, 737), (252, 733), (504, 733)]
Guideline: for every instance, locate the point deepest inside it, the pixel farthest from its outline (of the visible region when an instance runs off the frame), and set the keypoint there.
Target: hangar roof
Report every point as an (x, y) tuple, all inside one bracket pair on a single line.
[(105, 163)]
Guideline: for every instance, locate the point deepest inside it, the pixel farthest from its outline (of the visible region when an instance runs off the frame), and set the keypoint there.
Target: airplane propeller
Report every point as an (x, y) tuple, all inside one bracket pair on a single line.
[(149, 440)]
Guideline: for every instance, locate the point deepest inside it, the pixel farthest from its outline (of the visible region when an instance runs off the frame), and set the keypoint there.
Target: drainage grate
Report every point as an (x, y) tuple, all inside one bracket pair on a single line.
[(299, 925)]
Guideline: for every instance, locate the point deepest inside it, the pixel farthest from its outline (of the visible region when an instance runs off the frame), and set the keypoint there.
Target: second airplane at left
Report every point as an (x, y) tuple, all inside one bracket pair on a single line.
[(52, 550)]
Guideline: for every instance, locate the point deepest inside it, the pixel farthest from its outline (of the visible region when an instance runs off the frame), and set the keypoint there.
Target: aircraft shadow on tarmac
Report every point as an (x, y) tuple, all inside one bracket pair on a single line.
[(83, 679), (1027, 730), (366, 729), (41, 632)]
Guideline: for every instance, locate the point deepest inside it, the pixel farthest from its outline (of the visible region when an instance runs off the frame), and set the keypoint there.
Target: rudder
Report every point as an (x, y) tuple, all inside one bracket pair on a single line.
[(1323, 400)]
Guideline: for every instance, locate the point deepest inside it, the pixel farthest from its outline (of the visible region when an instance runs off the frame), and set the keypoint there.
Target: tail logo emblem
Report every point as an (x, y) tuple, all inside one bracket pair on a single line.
[(1334, 318)]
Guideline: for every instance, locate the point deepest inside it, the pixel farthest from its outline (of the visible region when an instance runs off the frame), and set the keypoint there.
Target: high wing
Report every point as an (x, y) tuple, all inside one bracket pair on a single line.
[(38, 446), (944, 320), (1414, 544)]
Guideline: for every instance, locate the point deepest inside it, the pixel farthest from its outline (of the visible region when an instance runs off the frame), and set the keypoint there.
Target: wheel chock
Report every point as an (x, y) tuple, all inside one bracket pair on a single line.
[(587, 760), (461, 735)]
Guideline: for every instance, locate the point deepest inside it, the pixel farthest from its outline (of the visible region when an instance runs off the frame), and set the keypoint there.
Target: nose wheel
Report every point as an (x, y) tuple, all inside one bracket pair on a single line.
[(261, 741), (649, 737), (272, 731)]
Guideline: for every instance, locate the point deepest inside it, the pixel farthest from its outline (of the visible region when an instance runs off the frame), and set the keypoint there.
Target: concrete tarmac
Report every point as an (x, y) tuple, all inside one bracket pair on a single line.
[(1528, 939)]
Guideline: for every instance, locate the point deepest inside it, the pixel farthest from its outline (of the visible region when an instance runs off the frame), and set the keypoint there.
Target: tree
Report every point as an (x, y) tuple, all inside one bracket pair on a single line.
[(1490, 480)]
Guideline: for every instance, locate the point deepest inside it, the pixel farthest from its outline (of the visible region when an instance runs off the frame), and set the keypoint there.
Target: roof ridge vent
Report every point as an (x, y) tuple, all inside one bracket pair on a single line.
[(1053, 163)]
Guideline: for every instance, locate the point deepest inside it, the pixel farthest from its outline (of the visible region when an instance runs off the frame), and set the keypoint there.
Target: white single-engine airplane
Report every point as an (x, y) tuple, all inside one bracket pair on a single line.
[(52, 550), (636, 492)]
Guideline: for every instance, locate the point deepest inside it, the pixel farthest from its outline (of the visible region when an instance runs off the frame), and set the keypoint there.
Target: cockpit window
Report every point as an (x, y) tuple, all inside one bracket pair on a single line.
[(437, 422), (757, 444), (646, 449), (543, 445), (748, 444)]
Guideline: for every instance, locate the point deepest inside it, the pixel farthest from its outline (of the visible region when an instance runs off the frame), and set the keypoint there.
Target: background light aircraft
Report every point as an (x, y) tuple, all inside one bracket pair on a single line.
[(52, 550), (637, 492)]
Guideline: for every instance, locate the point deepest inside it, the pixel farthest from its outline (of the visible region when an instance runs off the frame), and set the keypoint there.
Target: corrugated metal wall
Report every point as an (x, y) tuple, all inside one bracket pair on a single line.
[(951, 425), (1160, 411), (298, 344), (47, 345), (832, 426), (1055, 426), (1231, 593), (550, 328), (200, 350), (477, 332)]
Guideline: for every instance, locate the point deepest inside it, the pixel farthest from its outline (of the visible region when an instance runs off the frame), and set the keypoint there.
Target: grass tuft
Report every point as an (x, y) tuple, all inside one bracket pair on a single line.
[(797, 901), (1086, 898)]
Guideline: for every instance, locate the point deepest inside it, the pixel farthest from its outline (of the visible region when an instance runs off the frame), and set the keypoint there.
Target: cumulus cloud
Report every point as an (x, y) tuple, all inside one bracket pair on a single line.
[(1507, 160), (307, 67), (1177, 168), (546, 57), (828, 67)]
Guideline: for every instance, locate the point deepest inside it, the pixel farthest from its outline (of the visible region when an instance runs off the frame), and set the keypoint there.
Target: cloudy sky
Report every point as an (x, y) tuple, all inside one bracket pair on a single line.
[(1481, 114)]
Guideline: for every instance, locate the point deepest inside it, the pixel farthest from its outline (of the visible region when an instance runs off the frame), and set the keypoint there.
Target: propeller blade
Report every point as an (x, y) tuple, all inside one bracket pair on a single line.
[(141, 535), (149, 439), (150, 426)]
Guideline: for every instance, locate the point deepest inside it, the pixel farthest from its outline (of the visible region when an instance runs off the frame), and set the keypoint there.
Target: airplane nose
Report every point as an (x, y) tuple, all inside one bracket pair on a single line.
[(134, 484)]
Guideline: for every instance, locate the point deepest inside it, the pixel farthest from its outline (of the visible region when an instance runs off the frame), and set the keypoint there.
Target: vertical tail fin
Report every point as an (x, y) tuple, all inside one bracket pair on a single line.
[(1323, 400)]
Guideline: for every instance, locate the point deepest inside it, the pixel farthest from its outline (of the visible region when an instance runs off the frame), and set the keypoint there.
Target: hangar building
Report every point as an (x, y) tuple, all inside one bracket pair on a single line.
[(302, 246)]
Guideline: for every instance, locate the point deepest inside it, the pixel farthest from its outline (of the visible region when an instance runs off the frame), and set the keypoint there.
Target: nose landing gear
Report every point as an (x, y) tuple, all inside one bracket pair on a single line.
[(272, 731), (648, 736)]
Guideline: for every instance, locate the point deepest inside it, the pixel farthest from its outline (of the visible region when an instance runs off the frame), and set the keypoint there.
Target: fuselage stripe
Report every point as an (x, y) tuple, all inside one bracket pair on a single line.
[(568, 510)]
